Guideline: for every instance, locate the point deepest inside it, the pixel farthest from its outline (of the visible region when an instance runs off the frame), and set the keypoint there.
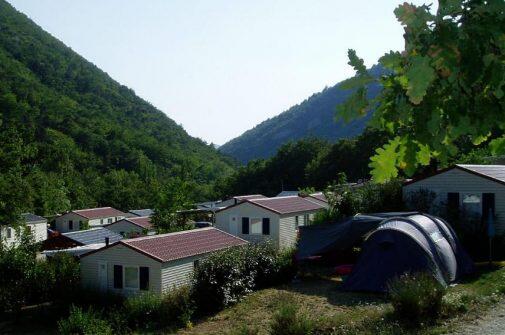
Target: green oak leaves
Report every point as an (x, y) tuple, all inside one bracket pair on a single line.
[(446, 88)]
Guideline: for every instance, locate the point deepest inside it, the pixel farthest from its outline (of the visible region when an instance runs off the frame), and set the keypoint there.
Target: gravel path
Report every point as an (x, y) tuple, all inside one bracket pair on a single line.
[(492, 322)]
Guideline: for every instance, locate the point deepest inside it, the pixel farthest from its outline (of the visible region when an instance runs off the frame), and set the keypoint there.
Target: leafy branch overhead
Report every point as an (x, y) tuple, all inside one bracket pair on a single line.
[(447, 86)]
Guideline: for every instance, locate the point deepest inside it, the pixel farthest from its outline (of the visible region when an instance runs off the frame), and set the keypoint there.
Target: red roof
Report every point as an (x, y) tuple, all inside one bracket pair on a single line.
[(97, 213), (142, 221), (319, 196), (169, 247), (287, 205)]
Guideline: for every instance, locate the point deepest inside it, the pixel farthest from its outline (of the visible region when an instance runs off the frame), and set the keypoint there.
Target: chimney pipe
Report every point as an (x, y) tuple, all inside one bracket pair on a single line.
[(106, 241)]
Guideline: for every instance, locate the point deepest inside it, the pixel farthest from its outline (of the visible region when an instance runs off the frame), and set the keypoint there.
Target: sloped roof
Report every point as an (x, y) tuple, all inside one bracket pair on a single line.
[(287, 193), (143, 222), (287, 205), (249, 197), (491, 172), (32, 218), (319, 196), (97, 213), (93, 235), (173, 246), (142, 212)]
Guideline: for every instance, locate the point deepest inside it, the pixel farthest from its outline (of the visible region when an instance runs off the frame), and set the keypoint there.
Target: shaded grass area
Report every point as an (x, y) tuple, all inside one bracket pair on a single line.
[(336, 312), (317, 295)]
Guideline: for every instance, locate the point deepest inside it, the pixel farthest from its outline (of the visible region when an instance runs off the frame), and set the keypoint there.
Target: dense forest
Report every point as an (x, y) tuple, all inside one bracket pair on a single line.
[(313, 163), (72, 137), (309, 162), (314, 117)]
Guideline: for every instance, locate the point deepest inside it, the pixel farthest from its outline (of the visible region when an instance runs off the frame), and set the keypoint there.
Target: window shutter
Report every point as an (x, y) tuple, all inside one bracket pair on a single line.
[(144, 278), (453, 200), (245, 226), (488, 204), (118, 276), (266, 226)]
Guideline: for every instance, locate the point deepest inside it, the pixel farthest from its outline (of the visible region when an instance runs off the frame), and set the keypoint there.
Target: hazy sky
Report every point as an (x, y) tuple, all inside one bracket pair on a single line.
[(220, 67)]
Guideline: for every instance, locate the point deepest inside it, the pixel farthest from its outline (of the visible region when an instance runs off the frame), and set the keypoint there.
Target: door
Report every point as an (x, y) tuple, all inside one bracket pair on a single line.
[(102, 275), (233, 229)]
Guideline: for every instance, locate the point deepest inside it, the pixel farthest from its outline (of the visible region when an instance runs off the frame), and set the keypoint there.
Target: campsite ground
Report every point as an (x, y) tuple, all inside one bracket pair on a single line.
[(337, 312), (476, 306)]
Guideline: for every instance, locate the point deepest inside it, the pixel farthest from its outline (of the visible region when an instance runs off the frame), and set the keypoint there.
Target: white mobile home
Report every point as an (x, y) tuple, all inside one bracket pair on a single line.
[(268, 219), (152, 263), (36, 225), (474, 190), (132, 227), (87, 218)]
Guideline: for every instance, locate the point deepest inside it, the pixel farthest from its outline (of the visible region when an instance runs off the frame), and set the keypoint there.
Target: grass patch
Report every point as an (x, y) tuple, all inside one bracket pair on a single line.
[(331, 311)]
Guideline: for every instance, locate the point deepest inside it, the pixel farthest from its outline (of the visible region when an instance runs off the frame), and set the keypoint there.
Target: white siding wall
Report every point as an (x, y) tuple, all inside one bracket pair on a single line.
[(61, 222), (118, 255), (245, 209), (124, 227), (288, 231), (177, 273), (456, 180), (39, 232), (105, 220)]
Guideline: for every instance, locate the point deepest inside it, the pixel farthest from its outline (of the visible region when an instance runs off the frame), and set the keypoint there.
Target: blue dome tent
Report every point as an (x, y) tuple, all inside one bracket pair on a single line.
[(414, 243), (394, 243)]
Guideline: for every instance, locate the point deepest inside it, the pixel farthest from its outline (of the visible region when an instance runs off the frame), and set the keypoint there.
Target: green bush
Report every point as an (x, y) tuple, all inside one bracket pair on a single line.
[(416, 297), (142, 310), (225, 277), (84, 323), (176, 308), (288, 320), (147, 311)]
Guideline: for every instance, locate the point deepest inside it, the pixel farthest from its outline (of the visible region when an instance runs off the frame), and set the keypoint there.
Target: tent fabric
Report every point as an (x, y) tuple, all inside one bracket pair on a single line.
[(394, 243), (408, 244), (320, 239)]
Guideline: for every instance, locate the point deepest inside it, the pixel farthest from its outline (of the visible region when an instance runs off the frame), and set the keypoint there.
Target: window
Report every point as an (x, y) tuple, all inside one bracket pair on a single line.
[(9, 232), (472, 204), (70, 225), (297, 221), (109, 220), (131, 277), (144, 278), (245, 226), (196, 263), (256, 226), (101, 221), (118, 276)]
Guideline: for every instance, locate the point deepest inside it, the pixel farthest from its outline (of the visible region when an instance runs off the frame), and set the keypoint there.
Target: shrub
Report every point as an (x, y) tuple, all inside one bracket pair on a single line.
[(176, 308), (416, 297), (142, 310), (84, 323), (225, 277), (221, 280), (289, 321)]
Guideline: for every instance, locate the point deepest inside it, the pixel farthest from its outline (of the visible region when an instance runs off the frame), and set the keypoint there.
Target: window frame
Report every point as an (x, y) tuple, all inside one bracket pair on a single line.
[(138, 278), (260, 223), (478, 213)]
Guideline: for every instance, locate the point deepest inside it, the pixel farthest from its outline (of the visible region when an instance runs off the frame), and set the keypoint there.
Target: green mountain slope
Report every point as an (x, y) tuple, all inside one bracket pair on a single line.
[(73, 137), (314, 117)]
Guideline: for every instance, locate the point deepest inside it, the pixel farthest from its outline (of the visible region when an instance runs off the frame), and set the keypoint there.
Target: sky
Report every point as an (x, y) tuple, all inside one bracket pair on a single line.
[(219, 67)]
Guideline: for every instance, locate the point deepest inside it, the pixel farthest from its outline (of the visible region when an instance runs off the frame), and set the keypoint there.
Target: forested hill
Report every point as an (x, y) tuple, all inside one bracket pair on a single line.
[(73, 137), (314, 117)]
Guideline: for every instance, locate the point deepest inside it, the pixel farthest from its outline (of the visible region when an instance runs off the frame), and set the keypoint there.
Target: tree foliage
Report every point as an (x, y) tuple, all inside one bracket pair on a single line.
[(72, 137), (447, 86), (303, 164)]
